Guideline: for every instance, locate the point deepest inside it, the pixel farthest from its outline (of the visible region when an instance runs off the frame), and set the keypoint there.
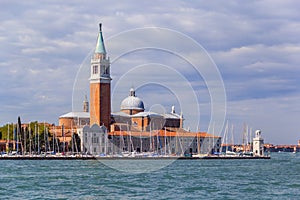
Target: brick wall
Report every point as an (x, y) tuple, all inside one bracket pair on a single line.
[(100, 104)]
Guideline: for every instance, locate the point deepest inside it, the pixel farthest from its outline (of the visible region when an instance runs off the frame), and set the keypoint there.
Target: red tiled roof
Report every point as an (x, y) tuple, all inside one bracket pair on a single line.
[(161, 133)]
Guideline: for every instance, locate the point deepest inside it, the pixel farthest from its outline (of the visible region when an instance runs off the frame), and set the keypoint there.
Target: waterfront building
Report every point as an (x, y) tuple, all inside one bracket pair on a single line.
[(94, 140), (132, 128), (258, 144), (133, 117)]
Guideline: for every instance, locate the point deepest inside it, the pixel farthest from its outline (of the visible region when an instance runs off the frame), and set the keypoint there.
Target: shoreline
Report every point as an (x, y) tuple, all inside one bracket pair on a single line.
[(134, 158)]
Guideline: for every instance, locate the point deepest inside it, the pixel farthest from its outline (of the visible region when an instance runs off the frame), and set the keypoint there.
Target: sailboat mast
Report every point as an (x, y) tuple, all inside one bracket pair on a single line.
[(121, 140), (141, 142), (150, 145), (29, 131), (232, 140), (72, 140), (105, 142), (48, 141), (131, 143), (169, 144), (76, 148), (38, 131), (227, 136), (34, 138), (17, 139), (128, 140), (157, 141), (213, 137), (63, 134), (53, 145), (198, 142), (244, 135), (24, 138), (7, 137), (213, 143), (14, 134), (165, 141), (45, 144), (250, 140), (56, 140)]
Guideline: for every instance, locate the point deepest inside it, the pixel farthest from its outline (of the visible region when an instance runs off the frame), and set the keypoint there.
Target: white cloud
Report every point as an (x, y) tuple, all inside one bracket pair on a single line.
[(276, 117)]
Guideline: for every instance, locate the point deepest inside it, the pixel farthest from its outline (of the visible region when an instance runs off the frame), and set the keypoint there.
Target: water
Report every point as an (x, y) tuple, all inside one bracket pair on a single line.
[(278, 178)]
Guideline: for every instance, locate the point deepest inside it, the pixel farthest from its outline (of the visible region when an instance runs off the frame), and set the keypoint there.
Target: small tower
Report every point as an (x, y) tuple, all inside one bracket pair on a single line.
[(181, 120), (85, 104), (132, 92), (173, 109), (100, 104), (258, 144)]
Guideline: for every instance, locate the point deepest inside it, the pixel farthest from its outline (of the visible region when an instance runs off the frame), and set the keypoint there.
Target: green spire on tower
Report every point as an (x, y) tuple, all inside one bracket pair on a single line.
[(100, 48)]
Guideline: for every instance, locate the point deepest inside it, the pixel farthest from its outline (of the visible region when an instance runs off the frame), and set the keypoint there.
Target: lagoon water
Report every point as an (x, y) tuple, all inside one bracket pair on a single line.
[(277, 178)]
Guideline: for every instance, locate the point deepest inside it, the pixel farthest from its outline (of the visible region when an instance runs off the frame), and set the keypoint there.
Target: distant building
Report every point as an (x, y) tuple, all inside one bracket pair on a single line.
[(94, 140), (76, 119), (132, 128), (133, 117)]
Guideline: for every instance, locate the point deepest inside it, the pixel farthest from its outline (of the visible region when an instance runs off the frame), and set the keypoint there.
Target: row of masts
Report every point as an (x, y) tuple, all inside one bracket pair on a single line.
[(161, 143), (28, 141), (34, 144), (154, 134), (228, 138)]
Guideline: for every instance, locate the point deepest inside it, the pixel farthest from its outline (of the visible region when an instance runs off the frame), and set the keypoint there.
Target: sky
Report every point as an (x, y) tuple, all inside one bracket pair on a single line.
[(253, 46)]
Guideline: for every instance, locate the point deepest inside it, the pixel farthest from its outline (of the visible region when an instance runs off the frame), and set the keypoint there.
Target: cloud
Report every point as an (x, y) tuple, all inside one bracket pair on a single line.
[(276, 117), (259, 71)]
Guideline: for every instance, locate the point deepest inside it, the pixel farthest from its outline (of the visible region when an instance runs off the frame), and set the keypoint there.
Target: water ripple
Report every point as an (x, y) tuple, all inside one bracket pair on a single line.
[(278, 178)]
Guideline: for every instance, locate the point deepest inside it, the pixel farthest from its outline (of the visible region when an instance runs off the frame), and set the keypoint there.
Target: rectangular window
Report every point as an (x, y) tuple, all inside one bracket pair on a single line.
[(95, 69), (95, 140)]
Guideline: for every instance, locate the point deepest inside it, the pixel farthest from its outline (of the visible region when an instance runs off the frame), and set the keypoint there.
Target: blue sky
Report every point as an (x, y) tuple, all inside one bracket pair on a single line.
[(254, 44)]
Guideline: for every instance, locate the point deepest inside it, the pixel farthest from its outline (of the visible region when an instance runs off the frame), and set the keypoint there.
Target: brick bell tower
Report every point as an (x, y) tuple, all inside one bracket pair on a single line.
[(100, 104)]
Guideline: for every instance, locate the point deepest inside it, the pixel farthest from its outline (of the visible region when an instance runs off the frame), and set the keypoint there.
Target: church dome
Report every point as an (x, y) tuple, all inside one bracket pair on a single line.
[(132, 102)]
